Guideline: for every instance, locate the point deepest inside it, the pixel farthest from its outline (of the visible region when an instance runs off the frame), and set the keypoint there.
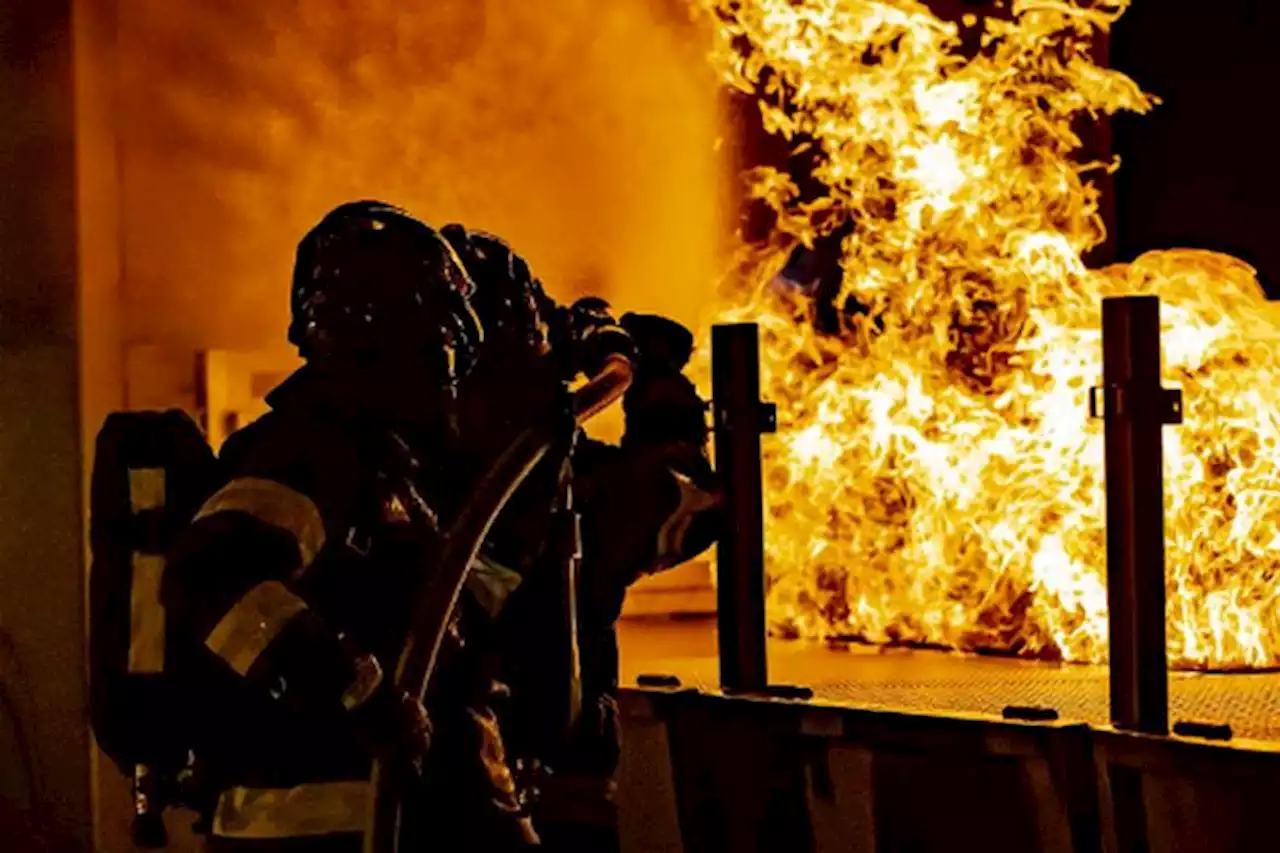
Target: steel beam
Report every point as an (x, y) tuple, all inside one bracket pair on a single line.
[(1135, 409), (740, 418)]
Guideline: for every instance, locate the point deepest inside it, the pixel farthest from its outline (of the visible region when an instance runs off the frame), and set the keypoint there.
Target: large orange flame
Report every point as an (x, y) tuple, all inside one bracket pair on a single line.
[(936, 477)]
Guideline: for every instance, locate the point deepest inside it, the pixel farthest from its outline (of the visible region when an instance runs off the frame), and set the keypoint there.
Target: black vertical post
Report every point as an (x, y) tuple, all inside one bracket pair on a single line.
[(1135, 409), (740, 418)]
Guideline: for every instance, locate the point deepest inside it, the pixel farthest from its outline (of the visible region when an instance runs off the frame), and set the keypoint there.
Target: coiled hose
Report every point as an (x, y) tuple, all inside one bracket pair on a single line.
[(462, 542)]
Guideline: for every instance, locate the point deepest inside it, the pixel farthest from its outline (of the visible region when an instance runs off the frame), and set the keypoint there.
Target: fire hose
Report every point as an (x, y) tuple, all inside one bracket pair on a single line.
[(461, 544)]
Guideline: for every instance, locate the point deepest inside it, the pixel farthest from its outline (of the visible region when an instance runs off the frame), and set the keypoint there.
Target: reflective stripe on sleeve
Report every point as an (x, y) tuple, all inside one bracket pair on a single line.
[(274, 504), (368, 679), (693, 501), (249, 627), (491, 583), (146, 615), (321, 808)]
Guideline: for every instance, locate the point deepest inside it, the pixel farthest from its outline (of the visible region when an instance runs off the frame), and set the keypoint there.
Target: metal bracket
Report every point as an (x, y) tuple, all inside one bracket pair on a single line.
[(1171, 406), (1115, 399), (767, 418), (1208, 731), (792, 692)]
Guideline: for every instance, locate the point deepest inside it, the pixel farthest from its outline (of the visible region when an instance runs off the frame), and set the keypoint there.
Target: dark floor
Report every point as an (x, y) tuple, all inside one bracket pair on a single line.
[(948, 683)]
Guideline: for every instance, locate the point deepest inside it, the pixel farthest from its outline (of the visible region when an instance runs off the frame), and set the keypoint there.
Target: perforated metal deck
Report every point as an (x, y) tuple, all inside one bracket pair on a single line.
[(937, 682)]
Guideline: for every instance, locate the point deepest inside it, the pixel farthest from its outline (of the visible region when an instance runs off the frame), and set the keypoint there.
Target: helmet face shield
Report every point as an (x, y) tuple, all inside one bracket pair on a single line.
[(374, 286)]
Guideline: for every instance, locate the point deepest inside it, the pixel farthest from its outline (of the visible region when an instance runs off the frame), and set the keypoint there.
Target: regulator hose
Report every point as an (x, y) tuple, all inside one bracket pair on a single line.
[(461, 544)]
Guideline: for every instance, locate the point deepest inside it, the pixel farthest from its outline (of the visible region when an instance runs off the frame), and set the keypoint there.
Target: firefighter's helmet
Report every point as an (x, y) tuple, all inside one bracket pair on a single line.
[(372, 284), (520, 318), (512, 306)]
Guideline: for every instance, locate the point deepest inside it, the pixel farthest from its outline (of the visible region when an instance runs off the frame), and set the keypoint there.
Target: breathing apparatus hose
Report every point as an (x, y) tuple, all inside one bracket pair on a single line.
[(462, 542)]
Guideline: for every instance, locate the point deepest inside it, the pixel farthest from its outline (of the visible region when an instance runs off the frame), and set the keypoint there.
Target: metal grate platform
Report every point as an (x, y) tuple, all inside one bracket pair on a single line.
[(938, 682)]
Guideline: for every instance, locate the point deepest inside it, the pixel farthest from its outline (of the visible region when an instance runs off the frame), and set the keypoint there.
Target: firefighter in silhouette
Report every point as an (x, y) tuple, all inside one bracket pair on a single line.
[(591, 520), (290, 593), (426, 353), (649, 505)]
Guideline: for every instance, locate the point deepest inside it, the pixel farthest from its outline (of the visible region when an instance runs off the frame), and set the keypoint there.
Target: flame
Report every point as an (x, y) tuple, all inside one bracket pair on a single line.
[(936, 478)]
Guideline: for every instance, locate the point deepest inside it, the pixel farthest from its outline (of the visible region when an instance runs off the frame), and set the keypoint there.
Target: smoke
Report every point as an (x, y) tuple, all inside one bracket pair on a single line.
[(582, 132)]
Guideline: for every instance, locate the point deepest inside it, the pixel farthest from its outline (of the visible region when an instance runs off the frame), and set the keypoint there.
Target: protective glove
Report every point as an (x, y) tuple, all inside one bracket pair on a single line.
[(597, 738), (663, 407), (661, 343), (393, 725), (578, 808)]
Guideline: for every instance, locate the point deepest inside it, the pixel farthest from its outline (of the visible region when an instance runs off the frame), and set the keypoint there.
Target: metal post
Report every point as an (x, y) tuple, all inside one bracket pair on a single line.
[(740, 418), (1135, 408)]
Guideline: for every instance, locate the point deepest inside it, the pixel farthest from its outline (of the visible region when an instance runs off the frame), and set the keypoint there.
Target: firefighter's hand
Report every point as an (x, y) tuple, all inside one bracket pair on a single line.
[(662, 343), (662, 406), (394, 726), (664, 410)]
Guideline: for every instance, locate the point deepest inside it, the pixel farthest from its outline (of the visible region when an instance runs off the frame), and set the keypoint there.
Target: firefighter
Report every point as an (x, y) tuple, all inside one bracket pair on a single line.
[(289, 594), (648, 505), (629, 510)]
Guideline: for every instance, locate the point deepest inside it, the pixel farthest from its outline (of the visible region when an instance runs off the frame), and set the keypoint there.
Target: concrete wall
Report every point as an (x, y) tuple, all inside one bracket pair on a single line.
[(41, 550), (100, 310)]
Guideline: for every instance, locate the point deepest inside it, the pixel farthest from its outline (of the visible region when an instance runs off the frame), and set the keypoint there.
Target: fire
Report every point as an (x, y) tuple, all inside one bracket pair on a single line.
[(936, 478)]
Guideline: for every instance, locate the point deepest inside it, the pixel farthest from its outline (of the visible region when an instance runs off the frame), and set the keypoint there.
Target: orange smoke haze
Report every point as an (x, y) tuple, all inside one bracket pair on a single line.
[(586, 137)]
